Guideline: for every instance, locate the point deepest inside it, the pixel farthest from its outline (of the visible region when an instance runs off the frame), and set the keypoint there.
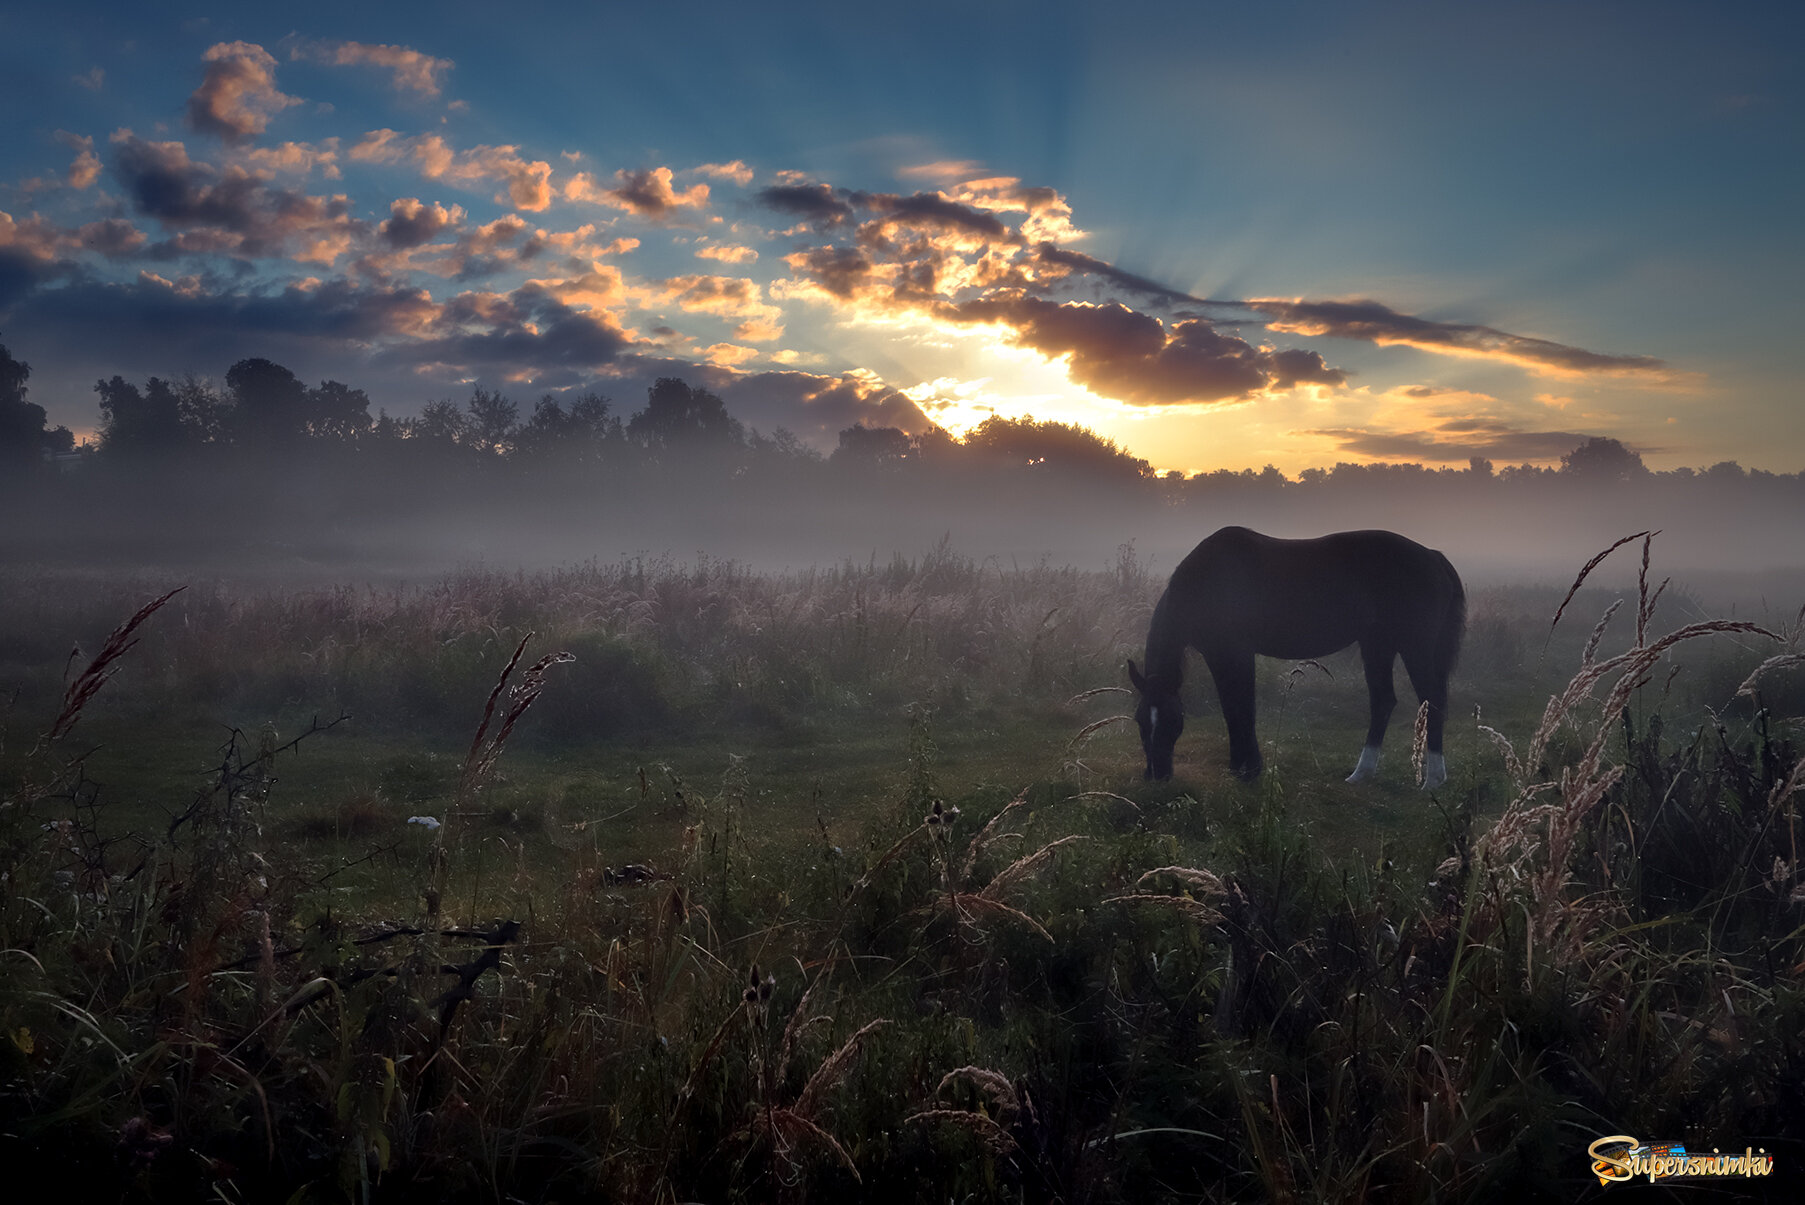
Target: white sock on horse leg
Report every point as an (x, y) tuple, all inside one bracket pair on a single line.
[(1368, 764), (1435, 771)]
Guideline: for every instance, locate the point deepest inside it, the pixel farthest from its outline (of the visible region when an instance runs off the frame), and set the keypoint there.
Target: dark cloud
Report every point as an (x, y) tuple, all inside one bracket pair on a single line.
[(1374, 322), (1475, 437), (842, 271), (412, 223), (816, 204), (532, 338), (1078, 262), (1125, 354), (229, 209), (936, 212)]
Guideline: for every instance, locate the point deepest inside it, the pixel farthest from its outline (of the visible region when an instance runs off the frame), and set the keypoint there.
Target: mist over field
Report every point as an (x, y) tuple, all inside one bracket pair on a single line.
[(321, 521)]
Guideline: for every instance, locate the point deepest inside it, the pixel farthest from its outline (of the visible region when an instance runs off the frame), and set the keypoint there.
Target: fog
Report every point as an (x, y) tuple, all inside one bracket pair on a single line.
[(328, 520)]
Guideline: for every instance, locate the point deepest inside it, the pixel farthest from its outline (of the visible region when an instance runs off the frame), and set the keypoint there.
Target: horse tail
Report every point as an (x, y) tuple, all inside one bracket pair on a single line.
[(1454, 621)]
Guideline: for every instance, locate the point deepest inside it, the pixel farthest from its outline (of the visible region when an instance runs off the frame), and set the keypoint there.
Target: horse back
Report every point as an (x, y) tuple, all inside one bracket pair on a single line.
[(1309, 598)]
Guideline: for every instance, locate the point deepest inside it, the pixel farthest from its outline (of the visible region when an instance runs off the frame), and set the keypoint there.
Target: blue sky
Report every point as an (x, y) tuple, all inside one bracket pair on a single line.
[(1225, 235)]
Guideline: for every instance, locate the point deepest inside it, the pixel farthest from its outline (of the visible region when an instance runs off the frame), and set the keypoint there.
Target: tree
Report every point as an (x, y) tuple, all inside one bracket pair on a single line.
[(337, 412), (864, 446), (492, 424), (1052, 447), (138, 424), (677, 416), (1602, 459), (21, 422), (271, 405)]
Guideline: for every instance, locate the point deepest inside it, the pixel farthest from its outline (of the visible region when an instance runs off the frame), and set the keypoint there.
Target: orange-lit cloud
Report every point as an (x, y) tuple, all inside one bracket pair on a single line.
[(736, 171), (1373, 322), (86, 167), (238, 94), (527, 181), (729, 354), (410, 70), (645, 193), (727, 254)]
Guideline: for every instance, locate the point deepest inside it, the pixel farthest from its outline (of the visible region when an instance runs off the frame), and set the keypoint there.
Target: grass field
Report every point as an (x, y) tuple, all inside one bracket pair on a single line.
[(845, 884)]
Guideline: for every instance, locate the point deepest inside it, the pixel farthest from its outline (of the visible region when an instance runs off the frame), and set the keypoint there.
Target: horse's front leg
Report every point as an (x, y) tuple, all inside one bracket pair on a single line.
[(1233, 672), (1430, 680), (1381, 698)]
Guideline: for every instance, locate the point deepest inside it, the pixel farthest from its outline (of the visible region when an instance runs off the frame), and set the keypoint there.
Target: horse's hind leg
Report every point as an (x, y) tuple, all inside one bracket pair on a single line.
[(1233, 672), (1382, 698), (1430, 682)]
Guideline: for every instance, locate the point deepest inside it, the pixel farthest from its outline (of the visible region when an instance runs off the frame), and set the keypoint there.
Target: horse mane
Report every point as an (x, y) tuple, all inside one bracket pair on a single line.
[(1165, 653)]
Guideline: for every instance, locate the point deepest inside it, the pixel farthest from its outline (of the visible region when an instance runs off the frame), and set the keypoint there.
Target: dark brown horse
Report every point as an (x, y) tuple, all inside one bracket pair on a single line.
[(1240, 593)]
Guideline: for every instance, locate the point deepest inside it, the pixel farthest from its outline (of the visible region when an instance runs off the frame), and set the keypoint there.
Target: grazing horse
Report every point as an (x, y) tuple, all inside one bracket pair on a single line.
[(1240, 593)]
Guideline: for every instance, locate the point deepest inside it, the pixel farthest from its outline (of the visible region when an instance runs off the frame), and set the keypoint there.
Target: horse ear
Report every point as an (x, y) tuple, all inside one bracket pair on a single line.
[(1134, 676)]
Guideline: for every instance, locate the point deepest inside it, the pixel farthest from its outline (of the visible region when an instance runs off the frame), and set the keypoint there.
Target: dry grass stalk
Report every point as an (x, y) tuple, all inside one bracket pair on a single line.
[(833, 1070), (1195, 909), (1419, 741), (105, 664), (987, 1131), (993, 1084), (1782, 661), (1583, 573), (790, 1126), (1021, 868), (965, 904), (1094, 726), (1092, 693), (984, 839), (1197, 880)]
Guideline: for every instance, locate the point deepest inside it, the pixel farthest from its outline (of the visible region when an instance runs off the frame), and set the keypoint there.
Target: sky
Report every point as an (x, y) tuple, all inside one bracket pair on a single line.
[(1223, 235)]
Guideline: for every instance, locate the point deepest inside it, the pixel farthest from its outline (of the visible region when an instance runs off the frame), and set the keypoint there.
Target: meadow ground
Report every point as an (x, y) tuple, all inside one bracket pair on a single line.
[(846, 882)]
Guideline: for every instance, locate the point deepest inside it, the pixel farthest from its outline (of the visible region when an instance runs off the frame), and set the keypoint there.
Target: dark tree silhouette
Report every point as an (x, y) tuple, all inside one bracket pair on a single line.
[(337, 413), (677, 416), (22, 432), (1053, 447), (139, 424), (492, 424), (1603, 459), (271, 405), (862, 446), (577, 435)]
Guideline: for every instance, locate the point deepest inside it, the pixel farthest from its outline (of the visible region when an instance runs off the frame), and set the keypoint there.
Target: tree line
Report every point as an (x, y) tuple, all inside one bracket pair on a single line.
[(264, 410)]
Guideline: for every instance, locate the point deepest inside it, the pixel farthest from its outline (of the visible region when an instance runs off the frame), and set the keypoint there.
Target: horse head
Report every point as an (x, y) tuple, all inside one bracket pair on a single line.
[(1160, 715)]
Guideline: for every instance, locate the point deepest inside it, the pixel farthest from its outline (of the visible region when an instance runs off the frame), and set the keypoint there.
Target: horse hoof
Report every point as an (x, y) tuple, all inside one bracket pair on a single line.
[(1368, 765), (1435, 771)]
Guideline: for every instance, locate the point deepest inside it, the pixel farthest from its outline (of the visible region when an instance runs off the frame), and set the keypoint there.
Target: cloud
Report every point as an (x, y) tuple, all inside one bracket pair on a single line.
[(737, 171), (228, 209), (1454, 441), (1373, 322), (93, 79), (410, 70), (238, 94), (1131, 356), (645, 193), (528, 182), (729, 354), (727, 254), (293, 158), (532, 337), (86, 167), (412, 223), (816, 204), (1062, 262), (942, 169)]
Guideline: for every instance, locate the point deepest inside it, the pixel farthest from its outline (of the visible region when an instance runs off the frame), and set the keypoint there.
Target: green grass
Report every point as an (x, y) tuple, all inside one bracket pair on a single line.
[(830, 990)]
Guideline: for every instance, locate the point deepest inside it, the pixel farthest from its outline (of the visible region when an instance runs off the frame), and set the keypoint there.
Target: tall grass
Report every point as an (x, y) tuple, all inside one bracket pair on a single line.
[(1087, 989)]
